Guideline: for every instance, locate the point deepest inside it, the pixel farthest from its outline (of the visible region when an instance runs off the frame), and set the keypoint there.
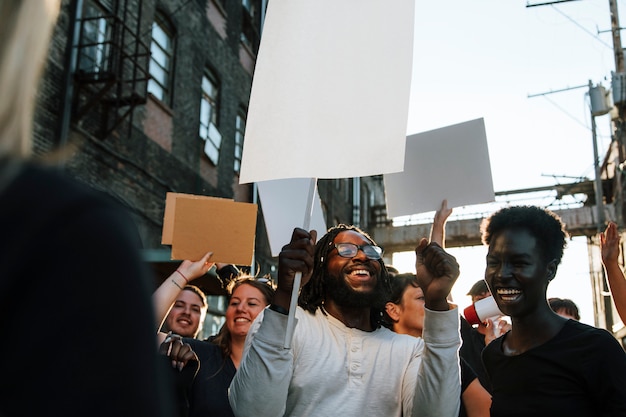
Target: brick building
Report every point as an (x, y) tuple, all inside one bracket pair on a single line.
[(152, 97), (146, 97)]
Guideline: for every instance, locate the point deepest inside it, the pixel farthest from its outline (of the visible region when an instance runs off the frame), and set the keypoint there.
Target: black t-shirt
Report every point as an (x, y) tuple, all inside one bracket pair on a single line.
[(471, 350), (581, 372), (209, 391)]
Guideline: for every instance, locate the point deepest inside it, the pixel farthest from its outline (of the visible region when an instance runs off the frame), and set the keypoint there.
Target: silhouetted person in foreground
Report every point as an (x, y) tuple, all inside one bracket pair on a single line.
[(77, 316)]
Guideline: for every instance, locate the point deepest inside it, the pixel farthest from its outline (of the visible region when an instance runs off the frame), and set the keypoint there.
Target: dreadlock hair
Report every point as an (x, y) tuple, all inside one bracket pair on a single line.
[(313, 292)]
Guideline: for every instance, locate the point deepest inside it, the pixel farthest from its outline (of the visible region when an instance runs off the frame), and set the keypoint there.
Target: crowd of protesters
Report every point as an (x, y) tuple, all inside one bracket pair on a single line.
[(364, 342)]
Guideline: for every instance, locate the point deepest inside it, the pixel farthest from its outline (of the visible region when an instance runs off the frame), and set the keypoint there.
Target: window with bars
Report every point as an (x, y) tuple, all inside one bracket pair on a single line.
[(95, 39), (161, 58), (208, 116)]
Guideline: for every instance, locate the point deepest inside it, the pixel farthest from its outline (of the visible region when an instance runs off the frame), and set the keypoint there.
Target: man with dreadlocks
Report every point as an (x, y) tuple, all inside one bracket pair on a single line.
[(341, 361)]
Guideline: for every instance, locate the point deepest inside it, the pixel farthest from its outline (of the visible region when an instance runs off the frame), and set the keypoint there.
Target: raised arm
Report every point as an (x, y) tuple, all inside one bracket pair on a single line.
[(438, 229), (261, 383), (437, 271), (610, 249), (164, 296)]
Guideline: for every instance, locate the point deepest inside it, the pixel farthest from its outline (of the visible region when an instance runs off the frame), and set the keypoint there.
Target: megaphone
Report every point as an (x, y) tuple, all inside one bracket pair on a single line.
[(481, 310)]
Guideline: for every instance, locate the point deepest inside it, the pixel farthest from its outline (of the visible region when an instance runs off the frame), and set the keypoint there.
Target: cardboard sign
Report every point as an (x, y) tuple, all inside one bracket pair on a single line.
[(222, 226), (331, 89), (168, 217), (448, 163)]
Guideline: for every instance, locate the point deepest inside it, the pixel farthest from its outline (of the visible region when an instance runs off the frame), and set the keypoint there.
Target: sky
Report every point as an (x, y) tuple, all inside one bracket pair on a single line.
[(484, 58)]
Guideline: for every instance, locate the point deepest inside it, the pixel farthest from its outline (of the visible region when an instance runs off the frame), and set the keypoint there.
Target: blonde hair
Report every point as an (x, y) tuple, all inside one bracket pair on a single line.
[(25, 29)]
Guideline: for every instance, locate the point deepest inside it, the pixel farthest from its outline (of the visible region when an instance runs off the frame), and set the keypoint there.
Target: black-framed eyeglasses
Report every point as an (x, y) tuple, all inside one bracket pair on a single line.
[(349, 250)]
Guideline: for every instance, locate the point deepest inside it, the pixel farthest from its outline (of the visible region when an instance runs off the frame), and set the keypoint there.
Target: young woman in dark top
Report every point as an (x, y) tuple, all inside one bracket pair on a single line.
[(546, 364), (205, 390)]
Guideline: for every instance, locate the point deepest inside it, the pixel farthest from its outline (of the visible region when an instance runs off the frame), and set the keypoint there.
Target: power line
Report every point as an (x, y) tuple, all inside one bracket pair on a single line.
[(545, 95), (583, 28), (548, 3), (571, 116)]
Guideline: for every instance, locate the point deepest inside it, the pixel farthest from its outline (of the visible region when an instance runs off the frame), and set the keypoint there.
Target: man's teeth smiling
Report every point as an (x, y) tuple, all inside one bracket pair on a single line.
[(241, 319), (360, 272)]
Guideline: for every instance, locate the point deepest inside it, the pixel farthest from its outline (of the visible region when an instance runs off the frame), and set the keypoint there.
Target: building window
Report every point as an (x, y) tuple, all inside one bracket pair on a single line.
[(240, 130), (95, 39), (365, 207), (250, 36), (215, 316), (161, 57), (208, 116)]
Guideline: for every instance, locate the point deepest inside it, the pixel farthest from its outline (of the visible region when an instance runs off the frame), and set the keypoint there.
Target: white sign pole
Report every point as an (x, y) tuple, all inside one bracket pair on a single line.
[(291, 319)]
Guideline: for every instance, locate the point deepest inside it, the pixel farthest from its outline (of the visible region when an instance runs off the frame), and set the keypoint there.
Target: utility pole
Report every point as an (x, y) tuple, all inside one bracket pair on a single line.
[(618, 128), (617, 39), (618, 53), (598, 171)]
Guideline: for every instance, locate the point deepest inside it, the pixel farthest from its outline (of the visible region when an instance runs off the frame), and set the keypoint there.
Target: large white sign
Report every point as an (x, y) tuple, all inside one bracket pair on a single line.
[(331, 90)]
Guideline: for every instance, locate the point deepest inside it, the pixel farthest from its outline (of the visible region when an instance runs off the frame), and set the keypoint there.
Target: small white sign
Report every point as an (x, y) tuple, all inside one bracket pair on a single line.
[(448, 163), (284, 205)]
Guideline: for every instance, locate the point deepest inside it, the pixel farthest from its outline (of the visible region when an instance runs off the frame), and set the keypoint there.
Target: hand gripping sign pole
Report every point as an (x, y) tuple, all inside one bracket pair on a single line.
[(291, 319)]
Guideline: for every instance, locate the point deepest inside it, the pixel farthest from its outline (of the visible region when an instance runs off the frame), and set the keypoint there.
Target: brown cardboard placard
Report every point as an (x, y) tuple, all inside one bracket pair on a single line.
[(222, 226), (168, 215)]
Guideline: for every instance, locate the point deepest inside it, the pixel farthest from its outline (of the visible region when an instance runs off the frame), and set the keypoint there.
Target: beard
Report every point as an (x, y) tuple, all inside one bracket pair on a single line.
[(338, 290)]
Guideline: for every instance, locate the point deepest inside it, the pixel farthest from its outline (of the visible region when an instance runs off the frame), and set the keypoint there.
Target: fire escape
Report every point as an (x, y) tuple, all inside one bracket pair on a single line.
[(111, 69)]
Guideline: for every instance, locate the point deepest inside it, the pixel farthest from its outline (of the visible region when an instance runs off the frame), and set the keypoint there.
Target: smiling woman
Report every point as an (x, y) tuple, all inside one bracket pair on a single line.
[(525, 248), (572, 279), (220, 355)]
